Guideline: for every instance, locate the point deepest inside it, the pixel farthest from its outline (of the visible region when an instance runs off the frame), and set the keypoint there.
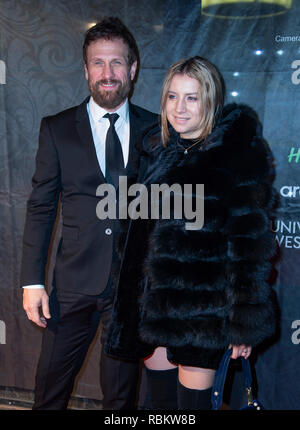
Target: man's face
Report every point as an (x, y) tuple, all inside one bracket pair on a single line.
[(108, 72)]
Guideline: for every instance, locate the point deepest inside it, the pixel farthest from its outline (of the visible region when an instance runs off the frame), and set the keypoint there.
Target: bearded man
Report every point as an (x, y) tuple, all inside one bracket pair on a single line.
[(80, 149)]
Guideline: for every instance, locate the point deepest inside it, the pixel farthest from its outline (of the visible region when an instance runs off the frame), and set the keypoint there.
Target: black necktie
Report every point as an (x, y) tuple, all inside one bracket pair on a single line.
[(113, 152)]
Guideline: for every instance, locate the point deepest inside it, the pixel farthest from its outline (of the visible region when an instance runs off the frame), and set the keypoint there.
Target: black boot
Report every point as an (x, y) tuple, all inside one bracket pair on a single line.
[(192, 399), (162, 385)]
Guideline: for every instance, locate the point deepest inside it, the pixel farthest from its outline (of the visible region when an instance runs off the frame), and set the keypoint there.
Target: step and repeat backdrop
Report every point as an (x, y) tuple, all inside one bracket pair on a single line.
[(256, 45)]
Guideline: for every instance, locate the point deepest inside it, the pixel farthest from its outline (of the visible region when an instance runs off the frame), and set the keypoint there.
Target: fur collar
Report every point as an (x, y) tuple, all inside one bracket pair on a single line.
[(237, 132), (238, 122)]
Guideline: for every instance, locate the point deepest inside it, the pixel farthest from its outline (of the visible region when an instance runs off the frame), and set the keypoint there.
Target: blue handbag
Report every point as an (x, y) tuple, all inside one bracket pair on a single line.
[(219, 382)]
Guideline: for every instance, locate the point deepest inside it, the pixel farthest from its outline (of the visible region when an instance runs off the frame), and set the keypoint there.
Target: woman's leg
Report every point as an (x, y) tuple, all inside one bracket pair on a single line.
[(161, 380), (158, 360), (194, 387), (196, 378)]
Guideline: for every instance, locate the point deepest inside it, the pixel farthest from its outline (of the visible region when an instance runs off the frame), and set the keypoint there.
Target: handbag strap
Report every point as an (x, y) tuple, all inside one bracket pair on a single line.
[(220, 378)]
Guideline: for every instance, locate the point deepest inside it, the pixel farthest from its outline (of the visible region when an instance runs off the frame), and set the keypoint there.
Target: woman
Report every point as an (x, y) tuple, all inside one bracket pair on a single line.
[(185, 296)]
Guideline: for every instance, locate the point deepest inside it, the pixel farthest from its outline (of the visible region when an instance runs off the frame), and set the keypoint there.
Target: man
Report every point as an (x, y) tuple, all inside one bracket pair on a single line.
[(80, 149)]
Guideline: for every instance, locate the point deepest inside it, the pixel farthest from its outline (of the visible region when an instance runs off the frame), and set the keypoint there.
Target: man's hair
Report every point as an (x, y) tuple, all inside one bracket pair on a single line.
[(212, 92), (110, 28)]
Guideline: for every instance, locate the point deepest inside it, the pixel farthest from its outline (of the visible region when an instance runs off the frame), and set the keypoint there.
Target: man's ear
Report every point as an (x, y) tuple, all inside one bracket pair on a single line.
[(86, 72), (133, 70)]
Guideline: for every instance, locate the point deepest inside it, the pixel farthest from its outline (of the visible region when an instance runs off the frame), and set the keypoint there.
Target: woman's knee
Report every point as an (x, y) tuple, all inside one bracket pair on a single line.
[(196, 377)]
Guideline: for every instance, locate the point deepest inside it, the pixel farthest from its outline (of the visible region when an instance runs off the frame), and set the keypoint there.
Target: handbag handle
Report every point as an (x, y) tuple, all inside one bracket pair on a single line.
[(220, 377)]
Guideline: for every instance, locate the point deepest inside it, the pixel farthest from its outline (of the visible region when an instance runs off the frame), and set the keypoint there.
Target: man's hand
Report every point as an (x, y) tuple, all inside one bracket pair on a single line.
[(33, 300), (240, 351)]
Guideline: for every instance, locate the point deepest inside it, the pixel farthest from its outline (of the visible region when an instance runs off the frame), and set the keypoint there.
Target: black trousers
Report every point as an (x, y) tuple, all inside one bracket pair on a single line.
[(69, 333)]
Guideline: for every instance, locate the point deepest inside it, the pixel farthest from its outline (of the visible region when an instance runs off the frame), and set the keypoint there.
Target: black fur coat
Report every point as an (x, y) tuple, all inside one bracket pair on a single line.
[(200, 290)]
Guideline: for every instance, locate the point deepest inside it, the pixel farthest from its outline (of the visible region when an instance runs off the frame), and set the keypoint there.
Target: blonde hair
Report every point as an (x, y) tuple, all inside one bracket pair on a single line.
[(212, 92)]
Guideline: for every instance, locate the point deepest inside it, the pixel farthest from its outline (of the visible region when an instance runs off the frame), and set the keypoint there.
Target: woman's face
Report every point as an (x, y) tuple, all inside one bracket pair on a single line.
[(183, 106)]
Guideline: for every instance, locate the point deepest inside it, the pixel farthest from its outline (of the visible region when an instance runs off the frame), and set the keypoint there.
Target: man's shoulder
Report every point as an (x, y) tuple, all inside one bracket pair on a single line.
[(143, 113), (66, 114)]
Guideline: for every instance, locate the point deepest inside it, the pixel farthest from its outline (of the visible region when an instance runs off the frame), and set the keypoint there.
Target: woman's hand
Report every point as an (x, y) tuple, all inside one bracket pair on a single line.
[(240, 351)]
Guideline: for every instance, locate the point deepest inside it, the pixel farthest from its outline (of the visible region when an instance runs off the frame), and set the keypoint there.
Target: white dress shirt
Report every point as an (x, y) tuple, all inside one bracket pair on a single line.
[(99, 126)]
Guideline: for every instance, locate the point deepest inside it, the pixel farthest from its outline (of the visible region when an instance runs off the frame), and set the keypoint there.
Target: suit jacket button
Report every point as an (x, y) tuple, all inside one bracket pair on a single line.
[(108, 231)]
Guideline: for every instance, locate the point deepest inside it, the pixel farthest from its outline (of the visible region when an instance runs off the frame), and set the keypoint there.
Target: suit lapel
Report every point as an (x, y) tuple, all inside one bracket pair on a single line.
[(137, 125), (135, 169), (84, 130)]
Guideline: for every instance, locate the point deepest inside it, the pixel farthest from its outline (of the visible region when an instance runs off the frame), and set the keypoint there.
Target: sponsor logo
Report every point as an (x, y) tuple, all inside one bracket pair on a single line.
[(294, 155), (287, 233), (284, 39), (290, 191)]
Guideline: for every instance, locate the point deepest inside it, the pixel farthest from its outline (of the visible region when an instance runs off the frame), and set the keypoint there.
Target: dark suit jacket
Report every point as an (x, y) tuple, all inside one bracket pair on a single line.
[(67, 169)]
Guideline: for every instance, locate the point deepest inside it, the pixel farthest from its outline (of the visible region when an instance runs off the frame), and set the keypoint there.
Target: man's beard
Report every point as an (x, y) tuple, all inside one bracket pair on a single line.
[(109, 99)]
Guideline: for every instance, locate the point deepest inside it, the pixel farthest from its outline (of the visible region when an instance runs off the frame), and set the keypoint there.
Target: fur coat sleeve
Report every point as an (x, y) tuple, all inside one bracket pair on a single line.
[(251, 243)]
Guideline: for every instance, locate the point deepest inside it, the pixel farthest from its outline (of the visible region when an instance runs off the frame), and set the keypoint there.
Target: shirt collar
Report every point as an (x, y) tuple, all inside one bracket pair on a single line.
[(98, 112)]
